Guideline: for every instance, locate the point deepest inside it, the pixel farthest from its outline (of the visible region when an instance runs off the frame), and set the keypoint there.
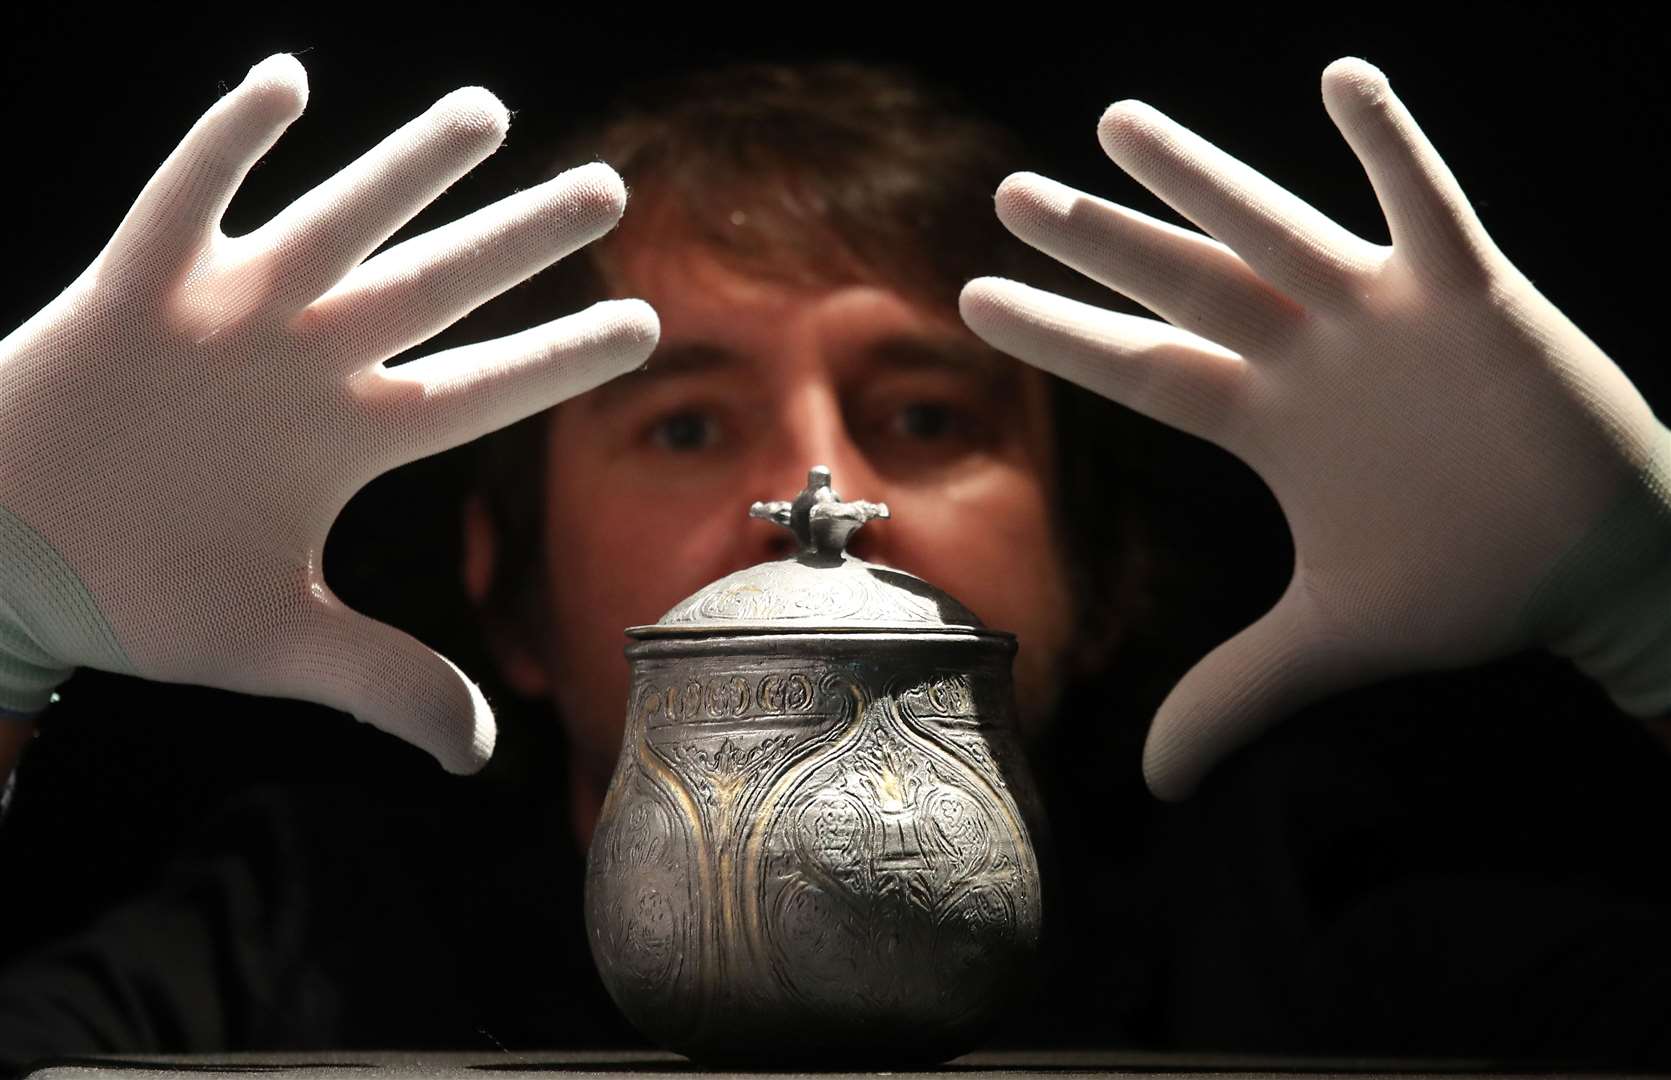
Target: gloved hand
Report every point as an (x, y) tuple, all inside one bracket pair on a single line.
[(180, 427), (1465, 474)]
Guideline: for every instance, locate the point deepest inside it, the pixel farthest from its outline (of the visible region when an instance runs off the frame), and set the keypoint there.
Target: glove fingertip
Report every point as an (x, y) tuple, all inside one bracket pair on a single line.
[(1352, 77), (637, 325), (1025, 198), (1019, 183), (982, 301), (615, 336), (1355, 68), (277, 86), (467, 755), (1167, 770), (484, 736), (1123, 122), (598, 187), (477, 111), (397, 684)]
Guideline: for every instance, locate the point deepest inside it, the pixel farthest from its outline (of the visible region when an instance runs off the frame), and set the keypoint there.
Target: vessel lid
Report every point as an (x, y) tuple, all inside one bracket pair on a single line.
[(820, 588)]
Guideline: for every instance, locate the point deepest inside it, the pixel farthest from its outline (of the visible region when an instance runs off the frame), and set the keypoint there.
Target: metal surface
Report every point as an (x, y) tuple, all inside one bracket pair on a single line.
[(815, 846), (821, 588), (818, 517)]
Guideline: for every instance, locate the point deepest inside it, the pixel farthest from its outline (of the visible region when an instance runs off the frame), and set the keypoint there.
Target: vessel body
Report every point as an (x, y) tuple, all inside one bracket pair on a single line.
[(816, 846)]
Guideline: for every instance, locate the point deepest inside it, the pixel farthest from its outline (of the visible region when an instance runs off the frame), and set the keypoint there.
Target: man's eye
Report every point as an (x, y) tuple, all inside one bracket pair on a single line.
[(926, 420), (685, 431)]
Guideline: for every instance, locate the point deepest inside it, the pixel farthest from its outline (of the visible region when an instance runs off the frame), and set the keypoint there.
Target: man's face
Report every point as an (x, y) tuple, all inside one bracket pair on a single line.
[(651, 475)]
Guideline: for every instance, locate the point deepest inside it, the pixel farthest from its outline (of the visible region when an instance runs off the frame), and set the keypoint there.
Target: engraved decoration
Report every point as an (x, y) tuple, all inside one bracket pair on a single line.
[(815, 845), (829, 860), (791, 592), (898, 875), (644, 924)]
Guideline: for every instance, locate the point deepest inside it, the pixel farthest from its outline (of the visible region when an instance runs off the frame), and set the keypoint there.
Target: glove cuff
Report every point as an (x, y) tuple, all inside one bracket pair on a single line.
[(46, 613), (1606, 604)]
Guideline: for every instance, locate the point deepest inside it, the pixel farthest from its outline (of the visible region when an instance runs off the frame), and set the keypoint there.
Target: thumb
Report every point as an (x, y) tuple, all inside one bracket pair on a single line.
[(390, 680), (1281, 663)]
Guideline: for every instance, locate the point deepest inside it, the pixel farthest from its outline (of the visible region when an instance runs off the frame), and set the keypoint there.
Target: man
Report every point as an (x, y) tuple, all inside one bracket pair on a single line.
[(855, 360), (802, 235)]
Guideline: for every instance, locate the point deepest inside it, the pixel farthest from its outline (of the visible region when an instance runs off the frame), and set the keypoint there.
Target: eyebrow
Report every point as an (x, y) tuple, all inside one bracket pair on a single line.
[(667, 362), (943, 354), (901, 353)]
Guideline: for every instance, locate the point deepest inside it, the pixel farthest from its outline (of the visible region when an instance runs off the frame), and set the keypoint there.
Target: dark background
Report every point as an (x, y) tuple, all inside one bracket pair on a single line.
[(1554, 121)]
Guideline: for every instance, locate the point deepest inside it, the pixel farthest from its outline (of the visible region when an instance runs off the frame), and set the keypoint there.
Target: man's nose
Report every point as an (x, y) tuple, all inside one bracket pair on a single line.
[(812, 430)]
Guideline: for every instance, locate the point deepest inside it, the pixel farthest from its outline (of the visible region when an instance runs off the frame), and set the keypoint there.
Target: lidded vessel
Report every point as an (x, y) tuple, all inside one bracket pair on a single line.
[(815, 846)]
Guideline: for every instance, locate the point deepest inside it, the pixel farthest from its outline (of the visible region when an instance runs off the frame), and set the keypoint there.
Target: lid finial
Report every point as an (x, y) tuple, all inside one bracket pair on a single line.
[(818, 518)]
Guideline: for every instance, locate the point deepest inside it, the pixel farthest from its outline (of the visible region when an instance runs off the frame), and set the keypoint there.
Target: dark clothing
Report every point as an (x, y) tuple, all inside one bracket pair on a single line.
[(1434, 867), (333, 917)]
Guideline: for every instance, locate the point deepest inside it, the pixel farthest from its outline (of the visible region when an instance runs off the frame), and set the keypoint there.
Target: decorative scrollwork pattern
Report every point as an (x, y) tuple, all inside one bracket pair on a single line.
[(644, 927), (788, 592), (789, 847), (896, 874)]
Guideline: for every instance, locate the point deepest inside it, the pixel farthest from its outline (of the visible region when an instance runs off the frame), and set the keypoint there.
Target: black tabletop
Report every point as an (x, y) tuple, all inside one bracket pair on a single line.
[(614, 1065)]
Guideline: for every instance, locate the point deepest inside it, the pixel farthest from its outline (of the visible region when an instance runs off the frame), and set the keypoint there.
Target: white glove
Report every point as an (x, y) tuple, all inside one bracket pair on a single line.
[(180, 427), (1465, 473)]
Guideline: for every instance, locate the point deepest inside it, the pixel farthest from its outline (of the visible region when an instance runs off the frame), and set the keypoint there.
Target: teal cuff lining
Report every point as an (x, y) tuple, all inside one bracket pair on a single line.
[(45, 612)]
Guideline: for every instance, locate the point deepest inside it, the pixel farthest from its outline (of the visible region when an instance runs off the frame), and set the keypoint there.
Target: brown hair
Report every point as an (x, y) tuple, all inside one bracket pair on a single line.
[(823, 174)]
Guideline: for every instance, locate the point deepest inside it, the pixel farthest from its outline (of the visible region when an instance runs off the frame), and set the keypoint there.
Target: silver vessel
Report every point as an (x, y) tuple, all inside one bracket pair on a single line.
[(815, 847)]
